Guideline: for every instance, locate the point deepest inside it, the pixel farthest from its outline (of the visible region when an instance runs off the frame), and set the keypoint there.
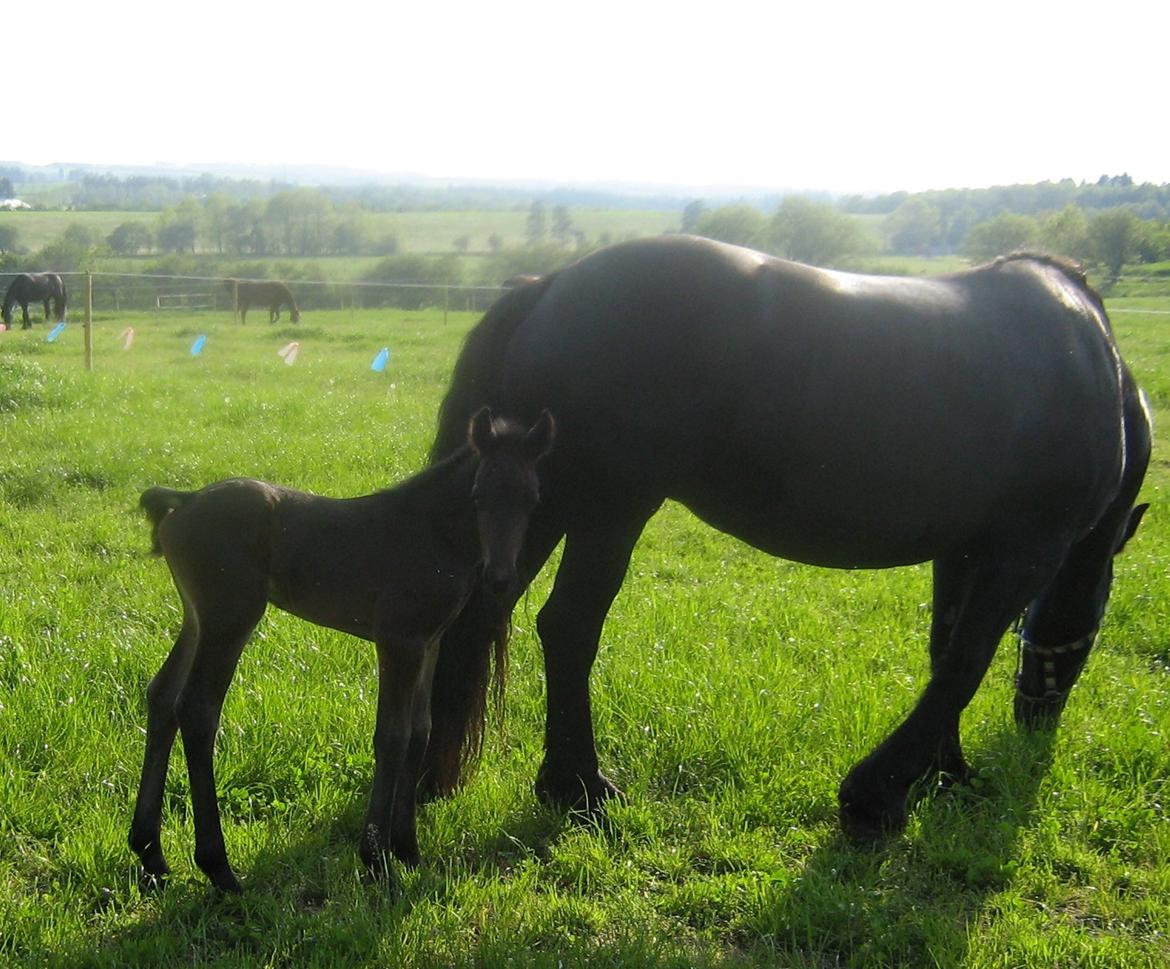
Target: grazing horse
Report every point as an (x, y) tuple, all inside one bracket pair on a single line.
[(392, 567), (26, 288), (982, 421), (272, 294)]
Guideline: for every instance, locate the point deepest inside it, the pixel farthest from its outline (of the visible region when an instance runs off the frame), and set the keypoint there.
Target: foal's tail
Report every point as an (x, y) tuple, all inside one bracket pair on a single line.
[(158, 503), (478, 638)]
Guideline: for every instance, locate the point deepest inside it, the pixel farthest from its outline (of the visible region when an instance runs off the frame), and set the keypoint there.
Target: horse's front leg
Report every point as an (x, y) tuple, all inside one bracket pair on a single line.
[(985, 598), (27, 320), (591, 572), (402, 663)]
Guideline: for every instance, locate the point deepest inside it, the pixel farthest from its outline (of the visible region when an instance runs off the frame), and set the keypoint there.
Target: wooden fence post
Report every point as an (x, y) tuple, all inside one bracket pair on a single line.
[(88, 320)]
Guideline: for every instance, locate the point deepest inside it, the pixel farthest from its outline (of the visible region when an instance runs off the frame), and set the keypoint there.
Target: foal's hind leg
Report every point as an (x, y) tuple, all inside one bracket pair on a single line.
[(405, 668), (988, 596), (161, 725), (224, 629)]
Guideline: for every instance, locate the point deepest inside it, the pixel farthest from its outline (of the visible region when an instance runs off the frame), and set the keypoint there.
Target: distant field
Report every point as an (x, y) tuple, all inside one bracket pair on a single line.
[(427, 232)]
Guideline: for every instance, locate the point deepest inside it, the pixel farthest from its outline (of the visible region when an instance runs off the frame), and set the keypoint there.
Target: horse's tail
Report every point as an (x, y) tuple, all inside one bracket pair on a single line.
[(158, 503), (477, 640), (9, 301), (60, 298), (294, 311)]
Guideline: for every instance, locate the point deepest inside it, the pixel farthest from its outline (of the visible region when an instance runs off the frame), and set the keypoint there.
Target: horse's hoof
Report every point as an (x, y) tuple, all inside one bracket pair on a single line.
[(1038, 713), (865, 819), (227, 883), (577, 794)]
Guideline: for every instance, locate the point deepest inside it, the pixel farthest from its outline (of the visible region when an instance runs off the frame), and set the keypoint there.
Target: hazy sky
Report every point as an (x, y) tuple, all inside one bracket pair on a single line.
[(865, 96)]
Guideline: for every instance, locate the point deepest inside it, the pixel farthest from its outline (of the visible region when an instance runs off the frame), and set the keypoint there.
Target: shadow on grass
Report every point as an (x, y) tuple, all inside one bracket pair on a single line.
[(909, 902), (912, 900)]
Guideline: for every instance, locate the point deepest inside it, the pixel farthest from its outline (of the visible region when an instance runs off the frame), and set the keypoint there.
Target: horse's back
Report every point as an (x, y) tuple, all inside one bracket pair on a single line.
[(843, 419)]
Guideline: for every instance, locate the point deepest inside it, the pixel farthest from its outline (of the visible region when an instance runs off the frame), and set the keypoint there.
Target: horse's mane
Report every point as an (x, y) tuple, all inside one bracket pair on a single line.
[(1072, 270), (479, 361)]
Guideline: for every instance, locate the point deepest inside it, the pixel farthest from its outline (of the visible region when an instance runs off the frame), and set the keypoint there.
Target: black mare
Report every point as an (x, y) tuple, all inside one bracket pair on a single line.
[(393, 567), (45, 288), (982, 421), (270, 293)]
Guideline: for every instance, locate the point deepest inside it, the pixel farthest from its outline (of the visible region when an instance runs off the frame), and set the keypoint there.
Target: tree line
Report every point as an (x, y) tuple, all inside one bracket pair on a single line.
[(1110, 223)]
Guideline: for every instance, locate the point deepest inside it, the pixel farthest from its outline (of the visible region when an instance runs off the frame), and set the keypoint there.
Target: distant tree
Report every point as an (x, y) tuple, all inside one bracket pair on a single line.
[(80, 235), (1003, 234), (815, 233), (1153, 243), (536, 227), (740, 225), (534, 260), (351, 234), (177, 235), (461, 244), (562, 224), (130, 238), (1066, 233), (1113, 236), (438, 271), (178, 229), (64, 256), (7, 190), (914, 228), (692, 215), (216, 218), (9, 238), (495, 242)]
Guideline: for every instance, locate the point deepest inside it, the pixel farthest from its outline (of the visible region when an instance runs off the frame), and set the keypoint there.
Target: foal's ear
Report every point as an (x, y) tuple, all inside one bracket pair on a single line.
[(539, 439), (480, 434)]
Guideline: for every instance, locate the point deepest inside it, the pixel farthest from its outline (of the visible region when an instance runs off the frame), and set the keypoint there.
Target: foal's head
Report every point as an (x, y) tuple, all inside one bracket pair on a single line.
[(506, 489)]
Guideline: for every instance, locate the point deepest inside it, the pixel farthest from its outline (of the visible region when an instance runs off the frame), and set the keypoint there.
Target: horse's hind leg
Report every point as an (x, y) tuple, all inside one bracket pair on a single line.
[(985, 597), (161, 725), (226, 622), (1061, 625)]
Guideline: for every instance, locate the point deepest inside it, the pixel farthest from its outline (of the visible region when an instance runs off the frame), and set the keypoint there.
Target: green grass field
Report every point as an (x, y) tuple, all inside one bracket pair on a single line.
[(731, 694)]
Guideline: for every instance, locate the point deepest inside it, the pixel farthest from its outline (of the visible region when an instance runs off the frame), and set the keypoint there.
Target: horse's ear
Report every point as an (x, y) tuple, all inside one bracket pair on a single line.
[(480, 434), (539, 439), (1131, 526)]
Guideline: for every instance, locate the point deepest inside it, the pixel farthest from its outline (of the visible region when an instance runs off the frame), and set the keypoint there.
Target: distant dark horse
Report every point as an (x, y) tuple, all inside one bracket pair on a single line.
[(27, 288), (272, 294), (982, 421), (393, 567)]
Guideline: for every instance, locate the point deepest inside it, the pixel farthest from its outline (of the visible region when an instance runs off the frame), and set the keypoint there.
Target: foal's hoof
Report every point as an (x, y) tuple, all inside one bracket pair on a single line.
[(574, 793)]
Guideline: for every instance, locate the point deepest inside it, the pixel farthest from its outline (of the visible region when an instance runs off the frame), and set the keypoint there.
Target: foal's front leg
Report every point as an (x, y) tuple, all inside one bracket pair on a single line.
[(405, 668)]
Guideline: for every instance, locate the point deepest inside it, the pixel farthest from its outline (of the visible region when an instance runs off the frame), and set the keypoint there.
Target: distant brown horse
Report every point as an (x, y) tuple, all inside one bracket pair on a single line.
[(393, 567), (46, 288), (270, 293)]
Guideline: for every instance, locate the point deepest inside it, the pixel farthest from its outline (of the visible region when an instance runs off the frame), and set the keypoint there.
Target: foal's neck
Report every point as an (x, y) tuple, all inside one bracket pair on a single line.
[(439, 496)]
